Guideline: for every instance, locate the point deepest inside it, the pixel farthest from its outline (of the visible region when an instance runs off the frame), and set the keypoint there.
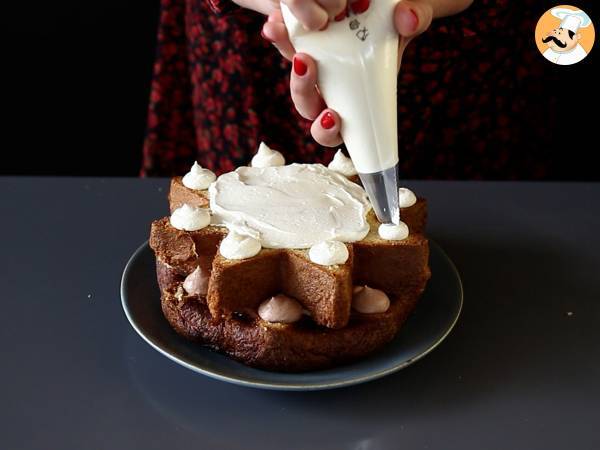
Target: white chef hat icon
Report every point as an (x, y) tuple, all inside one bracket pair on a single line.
[(571, 19)]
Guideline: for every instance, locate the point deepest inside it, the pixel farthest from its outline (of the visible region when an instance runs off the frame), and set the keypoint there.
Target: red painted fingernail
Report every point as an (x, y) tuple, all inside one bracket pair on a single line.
[(300, 67), (340, 16), (327, 121), (360, 6), (412, 21)]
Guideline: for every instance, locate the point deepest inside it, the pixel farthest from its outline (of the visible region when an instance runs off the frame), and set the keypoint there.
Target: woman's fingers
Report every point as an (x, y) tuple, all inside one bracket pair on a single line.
[(307, 100), (309, 13), (412, 17), (303, 86), (326, 128), (274, 30)]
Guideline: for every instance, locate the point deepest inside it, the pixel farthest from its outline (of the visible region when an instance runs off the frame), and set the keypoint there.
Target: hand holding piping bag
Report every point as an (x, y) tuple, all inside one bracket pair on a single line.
[(411, 18)]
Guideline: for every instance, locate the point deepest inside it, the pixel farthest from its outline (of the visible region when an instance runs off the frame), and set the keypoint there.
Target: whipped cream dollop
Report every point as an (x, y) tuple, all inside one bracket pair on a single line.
[(198, 178), (267, 157), (367, 300), (238, 245), (294, 206), (342, 164), (190, 218), (196, 283), (329, 253), (406, 198), (393, 232), (280, 309)]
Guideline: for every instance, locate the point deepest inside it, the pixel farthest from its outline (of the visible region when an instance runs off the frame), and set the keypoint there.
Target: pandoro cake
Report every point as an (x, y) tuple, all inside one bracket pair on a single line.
[(285, 267)]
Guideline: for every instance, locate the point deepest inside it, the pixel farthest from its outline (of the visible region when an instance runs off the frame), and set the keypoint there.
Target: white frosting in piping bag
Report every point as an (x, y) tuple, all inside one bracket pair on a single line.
[(190, 218), (198, 178), (358, 71), (294, 206), (406, 198), (267, 157), (329, 253), (342, 164)]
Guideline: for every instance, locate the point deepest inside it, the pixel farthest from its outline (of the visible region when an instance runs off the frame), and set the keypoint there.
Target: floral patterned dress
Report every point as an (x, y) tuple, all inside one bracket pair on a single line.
[(219, 89)]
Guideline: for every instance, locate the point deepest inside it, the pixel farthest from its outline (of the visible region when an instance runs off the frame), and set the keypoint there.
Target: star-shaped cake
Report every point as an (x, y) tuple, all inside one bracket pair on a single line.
[(284, 308)]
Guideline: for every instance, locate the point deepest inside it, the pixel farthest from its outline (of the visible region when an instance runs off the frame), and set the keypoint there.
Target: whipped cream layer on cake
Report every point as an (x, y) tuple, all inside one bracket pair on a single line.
[(293, 206)]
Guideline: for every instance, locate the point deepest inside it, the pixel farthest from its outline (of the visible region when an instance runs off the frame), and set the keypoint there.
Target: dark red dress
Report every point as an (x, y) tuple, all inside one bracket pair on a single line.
[(219, 89)]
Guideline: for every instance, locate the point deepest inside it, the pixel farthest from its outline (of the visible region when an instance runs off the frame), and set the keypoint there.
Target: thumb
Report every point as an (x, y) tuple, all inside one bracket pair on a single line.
[(412, 17)]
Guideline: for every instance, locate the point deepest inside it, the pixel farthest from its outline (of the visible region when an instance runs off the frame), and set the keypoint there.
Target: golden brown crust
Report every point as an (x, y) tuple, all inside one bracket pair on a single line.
[(415, 216), (325, 291), (242, 285), (392, 266), (297, 347), (185, 249)]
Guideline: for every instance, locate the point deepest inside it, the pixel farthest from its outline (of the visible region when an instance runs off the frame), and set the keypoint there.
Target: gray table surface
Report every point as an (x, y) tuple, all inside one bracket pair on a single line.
[(520, 371)]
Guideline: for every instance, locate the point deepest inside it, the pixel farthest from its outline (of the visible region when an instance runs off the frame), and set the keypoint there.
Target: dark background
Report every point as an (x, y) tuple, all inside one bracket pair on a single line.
[(76, 78), (76, 85)]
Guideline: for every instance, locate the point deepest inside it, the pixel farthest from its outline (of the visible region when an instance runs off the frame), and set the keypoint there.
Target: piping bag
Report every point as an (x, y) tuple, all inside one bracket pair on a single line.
[(357, 57)]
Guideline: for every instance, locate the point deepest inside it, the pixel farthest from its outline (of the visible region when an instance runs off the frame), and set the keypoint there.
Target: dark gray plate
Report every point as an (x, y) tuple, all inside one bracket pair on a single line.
[(434, 317)]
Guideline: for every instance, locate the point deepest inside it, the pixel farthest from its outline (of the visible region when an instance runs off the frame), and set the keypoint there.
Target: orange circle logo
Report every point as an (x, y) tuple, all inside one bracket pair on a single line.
[(564, 35)]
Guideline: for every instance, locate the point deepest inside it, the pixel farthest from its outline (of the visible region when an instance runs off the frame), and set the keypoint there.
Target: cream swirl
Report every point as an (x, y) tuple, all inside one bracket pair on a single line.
[(190, 218), (406, 198), (329, 253), (237, 245), (267, 157), (393, 232), (280, 309), (198, 178), (294, 206), (367, 300), (342, 164)]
